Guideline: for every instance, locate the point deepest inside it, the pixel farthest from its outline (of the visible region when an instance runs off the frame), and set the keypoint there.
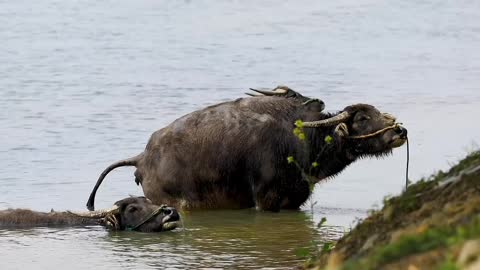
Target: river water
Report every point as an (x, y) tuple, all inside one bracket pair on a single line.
[(85, 83)]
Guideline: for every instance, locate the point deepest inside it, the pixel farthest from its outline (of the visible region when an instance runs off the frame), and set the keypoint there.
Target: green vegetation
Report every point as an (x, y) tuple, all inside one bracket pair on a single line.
[(414, 244), (449, 264), (311, 253), (300, 134)]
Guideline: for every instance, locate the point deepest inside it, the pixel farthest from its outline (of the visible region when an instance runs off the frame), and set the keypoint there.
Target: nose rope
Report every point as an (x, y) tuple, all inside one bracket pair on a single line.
[(148, 218), (396, 125), (408, 161)]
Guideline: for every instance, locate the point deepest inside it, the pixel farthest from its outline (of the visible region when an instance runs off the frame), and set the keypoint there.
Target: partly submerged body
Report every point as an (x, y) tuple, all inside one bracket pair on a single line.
[(135, 213), (234, 154), (28, 218)]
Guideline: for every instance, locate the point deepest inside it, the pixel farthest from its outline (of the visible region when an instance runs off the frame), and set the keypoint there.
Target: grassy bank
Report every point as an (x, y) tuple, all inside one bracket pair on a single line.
[(434, 224)]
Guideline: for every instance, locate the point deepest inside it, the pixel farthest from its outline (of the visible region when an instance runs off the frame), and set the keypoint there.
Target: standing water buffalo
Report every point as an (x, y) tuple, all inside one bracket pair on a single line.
[(234, 154), (135, 214)]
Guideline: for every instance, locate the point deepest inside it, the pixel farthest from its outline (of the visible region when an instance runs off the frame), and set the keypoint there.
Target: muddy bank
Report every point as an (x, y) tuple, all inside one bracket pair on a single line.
[(434, 224)]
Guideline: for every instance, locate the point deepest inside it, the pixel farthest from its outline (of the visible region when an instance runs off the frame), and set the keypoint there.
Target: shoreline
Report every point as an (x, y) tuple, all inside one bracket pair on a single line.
[(433, 224)]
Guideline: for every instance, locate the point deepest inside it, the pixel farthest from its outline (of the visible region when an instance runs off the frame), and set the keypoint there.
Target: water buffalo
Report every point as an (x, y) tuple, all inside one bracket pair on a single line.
[(135, 214), (234, 154)]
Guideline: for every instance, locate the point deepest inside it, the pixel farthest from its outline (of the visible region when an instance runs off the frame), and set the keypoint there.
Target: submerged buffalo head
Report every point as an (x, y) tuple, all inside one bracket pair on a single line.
[(364, 130), (137, 214)]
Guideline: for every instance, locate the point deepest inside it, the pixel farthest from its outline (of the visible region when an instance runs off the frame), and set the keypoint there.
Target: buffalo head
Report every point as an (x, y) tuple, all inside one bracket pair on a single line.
[(365, 130), (137, 214), (279, 91), (311, 104)]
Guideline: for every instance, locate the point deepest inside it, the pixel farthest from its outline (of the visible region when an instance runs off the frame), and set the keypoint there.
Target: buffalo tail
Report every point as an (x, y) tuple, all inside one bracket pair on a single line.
[(126, 162)]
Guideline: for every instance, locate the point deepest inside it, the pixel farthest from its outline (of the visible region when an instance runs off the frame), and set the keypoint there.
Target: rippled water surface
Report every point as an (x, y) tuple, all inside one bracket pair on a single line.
[(85, 83)]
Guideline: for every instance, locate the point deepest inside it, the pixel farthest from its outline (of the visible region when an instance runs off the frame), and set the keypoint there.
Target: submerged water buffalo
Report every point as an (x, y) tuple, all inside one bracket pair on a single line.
[(135, 214), (234, 154)]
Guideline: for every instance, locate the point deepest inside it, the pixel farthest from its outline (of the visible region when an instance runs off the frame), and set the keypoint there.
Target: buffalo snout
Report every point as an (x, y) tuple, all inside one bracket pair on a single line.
[(171, 214), (401, 131)]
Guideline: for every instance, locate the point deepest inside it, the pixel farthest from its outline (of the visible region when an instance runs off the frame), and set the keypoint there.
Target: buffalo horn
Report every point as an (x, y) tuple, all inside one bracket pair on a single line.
[(97, 213), (339, 118), (390, 117), (341, 130), (275, 92)]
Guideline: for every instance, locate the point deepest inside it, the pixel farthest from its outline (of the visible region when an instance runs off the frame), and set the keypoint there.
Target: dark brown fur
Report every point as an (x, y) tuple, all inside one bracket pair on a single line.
[(29, 218)]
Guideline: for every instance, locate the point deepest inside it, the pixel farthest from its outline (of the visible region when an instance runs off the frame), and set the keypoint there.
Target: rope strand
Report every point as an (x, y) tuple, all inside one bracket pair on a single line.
[(408, 161), (396, 125)]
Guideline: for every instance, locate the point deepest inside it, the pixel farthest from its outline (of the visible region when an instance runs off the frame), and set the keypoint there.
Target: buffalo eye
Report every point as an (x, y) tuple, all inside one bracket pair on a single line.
[(363, 118), (132, 209)]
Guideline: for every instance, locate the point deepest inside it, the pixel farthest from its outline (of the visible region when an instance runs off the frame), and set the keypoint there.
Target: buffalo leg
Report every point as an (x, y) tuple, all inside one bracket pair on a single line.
[(296, 195), (268, 198)]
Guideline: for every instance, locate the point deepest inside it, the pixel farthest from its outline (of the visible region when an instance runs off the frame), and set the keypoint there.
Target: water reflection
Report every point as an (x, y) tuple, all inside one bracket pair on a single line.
[(245, 239)]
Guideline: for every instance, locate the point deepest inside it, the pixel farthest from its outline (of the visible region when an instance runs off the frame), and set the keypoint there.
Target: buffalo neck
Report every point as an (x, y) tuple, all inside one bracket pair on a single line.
[(332, 155)]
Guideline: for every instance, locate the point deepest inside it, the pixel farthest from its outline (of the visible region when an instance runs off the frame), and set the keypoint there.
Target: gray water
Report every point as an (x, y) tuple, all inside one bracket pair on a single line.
[(85, 83)]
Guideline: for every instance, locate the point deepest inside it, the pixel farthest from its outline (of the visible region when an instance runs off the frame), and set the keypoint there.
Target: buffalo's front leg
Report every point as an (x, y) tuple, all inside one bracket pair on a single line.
[(296, 195), (268, 198)]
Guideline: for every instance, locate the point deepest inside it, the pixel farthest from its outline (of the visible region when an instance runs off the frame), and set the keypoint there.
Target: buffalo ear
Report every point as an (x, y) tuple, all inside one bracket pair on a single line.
[(124, 202), (341, 130), (121, 205), (352, 109)]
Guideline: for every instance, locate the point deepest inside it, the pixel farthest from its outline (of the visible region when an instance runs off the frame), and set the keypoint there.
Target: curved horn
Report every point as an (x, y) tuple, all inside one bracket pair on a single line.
[(126, 162), (275, 92), (390, 117), (96, 214), (341, 130), (341, 117)]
